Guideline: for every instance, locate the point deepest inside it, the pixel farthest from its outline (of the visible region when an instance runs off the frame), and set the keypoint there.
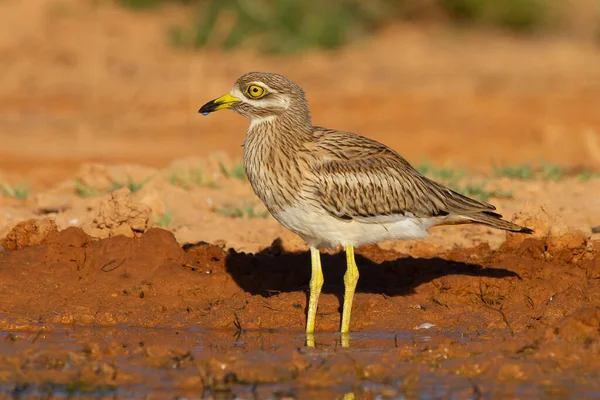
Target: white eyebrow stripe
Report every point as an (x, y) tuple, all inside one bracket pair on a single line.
[(262, 102), (235, 92)]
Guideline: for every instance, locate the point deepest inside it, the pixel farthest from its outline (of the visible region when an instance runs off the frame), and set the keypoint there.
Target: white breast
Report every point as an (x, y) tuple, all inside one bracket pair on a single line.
[(321, 230)]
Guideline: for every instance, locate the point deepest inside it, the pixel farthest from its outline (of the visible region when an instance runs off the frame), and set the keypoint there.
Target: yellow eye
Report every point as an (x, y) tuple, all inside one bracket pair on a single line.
[(255, 91)]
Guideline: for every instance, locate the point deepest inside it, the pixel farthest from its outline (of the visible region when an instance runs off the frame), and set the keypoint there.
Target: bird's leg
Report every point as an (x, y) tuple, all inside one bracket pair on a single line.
[(316, 283), (350, 280)]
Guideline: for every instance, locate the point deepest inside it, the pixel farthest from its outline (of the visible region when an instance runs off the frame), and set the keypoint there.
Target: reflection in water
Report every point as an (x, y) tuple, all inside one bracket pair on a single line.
[(197, 363), (310, 340), (345, 336), (344, 339)]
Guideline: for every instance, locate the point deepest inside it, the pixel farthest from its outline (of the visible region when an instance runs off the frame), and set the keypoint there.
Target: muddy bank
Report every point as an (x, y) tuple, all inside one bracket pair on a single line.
[(150, 280), (81, 314)]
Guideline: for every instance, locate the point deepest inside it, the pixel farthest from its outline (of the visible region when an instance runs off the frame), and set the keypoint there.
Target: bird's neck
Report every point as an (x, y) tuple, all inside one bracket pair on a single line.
[(271, 153), (278, 130)]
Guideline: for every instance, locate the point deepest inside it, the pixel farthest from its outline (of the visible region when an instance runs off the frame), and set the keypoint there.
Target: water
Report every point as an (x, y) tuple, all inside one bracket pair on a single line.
[(125, 362)]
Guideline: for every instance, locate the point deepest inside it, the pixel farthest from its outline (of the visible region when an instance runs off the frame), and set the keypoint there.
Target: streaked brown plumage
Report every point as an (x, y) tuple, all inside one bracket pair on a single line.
[(337, 188)]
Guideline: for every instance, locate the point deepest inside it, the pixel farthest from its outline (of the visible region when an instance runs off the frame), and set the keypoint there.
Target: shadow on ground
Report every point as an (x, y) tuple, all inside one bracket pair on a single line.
[(274, 270)]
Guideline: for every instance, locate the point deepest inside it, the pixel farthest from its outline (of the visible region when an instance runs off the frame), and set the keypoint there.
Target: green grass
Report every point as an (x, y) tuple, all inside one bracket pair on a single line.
[(287, 26), (279, 26), (551, 172), (195, 178), (456, 179), (479, 190), (83, 190), (433, 171), (20, 191), (165, 220), (148, 4), (235, 172), (588, 175), (132, 185), (521, 171), (245, 212), (541, 170), (516, 15)]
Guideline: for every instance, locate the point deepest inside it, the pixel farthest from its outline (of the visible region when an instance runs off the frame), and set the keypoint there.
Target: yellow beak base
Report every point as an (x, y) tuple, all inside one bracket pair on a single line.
[(225, 101)]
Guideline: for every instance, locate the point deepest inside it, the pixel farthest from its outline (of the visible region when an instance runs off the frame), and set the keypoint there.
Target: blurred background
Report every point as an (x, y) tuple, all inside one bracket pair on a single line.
[(462, 82)]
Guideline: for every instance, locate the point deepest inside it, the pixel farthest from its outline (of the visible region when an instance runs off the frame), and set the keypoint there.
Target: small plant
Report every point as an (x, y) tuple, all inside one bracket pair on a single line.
[(83, 190), (20, 191), (246, 212), (454, 179), (517, 15), (551, 172), (280, 26), (194, 178), (165, 220), (479, 191), (236, 171), (144, 4), (588, 175), (523, 171), (543, 170), (288, 26), (130, 184), (442, 173)]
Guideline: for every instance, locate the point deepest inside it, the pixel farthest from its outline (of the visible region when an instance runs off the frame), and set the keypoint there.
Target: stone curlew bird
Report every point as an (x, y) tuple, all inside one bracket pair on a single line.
[(336, 188)]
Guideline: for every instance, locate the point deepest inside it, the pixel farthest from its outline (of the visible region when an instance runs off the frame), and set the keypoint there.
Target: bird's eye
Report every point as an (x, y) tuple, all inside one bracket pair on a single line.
[(255, 91)]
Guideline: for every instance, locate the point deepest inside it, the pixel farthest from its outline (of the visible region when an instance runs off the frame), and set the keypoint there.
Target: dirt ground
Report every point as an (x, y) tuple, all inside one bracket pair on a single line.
[(159, 289)]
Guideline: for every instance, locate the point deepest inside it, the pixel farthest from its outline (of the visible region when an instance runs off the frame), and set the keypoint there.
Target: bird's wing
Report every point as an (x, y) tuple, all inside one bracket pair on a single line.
[(358, 178)]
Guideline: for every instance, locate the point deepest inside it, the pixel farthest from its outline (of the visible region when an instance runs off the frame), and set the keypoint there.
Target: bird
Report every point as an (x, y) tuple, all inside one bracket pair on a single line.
[(336, 189)]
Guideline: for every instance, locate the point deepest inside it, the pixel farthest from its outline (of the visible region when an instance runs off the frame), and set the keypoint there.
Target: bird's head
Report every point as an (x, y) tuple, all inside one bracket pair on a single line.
[(261, 96)]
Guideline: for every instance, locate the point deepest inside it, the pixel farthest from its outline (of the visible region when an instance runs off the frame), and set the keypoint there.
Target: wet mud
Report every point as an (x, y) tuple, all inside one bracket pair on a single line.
[(95, 302), (125, 315)]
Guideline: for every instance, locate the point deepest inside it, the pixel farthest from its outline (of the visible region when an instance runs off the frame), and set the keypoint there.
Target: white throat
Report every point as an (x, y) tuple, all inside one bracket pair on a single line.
[(260, 121)]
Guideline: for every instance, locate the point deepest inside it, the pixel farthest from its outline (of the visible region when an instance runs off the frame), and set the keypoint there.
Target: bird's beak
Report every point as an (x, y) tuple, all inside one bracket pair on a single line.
[(225, 101)]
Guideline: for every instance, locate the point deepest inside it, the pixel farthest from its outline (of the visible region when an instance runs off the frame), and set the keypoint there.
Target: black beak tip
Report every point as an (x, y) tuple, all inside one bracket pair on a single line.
[(207, 108)]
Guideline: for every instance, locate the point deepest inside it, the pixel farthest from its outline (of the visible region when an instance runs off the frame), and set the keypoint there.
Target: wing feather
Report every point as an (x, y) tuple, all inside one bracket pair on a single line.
[(366, 180)]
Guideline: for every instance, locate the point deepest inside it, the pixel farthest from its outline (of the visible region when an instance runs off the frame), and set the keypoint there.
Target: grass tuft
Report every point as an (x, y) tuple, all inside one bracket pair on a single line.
[(541, 170), (194, 178), (20, 191), (235, 172), (245, 212), (83, 190), (165, 220), (588, 175), (455, 179), (282, 26), (522, 171), (148, 4), (480, 191), (287, 26), (515, 15), (132, 185), (431, 170)]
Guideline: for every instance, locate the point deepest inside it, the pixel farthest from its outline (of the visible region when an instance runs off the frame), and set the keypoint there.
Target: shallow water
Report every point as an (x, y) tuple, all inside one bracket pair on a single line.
[(193, 363)]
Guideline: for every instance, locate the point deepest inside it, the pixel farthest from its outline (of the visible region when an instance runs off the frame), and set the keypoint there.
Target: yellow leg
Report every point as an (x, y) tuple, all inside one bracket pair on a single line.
[(350, 280), (316, 283)]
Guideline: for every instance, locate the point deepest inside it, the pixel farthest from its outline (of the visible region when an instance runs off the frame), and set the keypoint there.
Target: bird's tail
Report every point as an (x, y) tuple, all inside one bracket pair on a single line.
[(495, 220)]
